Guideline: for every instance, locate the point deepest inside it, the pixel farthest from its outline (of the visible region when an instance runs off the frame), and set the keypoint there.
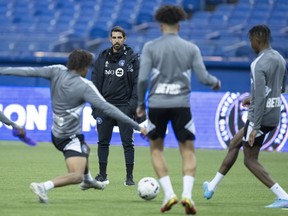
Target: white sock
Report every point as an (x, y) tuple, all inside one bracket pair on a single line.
[(48, 185), (215, 181), (188, 183), (88, 177), (279, 192), (166, 186)]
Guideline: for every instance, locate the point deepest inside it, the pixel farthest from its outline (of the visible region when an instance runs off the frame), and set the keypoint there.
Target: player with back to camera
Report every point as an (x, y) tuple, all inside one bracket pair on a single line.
[(69, 92), (268, 81), (166, 64)]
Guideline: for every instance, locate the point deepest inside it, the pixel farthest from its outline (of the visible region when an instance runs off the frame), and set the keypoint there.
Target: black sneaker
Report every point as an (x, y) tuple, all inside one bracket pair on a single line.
[(102, 179), (129, 181)]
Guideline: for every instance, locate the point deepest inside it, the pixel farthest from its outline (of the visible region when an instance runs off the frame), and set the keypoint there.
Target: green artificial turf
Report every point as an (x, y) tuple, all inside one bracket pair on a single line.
[(240, 193)]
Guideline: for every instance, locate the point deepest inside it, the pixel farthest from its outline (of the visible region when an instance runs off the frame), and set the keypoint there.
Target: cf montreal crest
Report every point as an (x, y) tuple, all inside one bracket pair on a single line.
[(231, 117)]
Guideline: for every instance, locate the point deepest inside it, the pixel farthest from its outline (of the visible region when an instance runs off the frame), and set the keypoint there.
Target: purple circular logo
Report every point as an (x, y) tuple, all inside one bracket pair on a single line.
[(231, 117)]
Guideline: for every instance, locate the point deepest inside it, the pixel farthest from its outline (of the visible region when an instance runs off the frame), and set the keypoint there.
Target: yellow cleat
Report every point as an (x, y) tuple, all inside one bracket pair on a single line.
[(168, 205), (189, 206)]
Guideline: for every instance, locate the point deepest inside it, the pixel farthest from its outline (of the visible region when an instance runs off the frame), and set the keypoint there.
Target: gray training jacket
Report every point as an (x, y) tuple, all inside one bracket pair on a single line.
[(69, 93), (268, 80), (5, 120), (168, 63)]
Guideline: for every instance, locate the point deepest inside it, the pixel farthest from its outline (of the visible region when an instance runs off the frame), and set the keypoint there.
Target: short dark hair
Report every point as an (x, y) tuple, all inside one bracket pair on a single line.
[(118, 29), (262, 32), (79, 59), (170, 14)]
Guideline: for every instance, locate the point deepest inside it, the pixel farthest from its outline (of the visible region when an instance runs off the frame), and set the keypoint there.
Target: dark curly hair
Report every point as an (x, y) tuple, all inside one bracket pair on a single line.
[(170, 14), (262, 32), (79, 59)]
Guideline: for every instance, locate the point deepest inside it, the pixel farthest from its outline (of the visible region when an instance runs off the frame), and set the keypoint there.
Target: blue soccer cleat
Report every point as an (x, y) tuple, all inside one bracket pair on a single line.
[(207, 193), (23, 137), (278, 203)]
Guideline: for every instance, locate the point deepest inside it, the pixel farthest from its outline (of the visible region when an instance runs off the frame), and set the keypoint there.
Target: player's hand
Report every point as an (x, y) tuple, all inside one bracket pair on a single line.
[(88, 148), (20, 130), (246, 102), (252, 137), (144, 133), (217, 86), (140, 112)]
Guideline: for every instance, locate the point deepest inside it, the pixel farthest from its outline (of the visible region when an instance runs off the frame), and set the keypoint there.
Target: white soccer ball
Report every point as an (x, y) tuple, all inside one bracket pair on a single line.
[(148, 188)]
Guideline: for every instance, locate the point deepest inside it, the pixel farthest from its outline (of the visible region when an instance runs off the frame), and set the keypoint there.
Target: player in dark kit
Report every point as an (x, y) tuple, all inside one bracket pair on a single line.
[(115, 76)]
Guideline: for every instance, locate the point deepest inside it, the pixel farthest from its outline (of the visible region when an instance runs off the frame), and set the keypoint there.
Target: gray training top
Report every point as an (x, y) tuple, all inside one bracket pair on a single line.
[(268, 72), (168, 62), (69, 93)]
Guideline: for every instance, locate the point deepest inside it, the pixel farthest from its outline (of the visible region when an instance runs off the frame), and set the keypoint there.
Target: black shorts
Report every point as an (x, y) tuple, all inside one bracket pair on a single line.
[(73, 146), (259, 139), (181, 119)]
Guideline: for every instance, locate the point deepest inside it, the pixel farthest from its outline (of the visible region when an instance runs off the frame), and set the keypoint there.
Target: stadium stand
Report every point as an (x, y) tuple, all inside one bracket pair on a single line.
[(30, 26)]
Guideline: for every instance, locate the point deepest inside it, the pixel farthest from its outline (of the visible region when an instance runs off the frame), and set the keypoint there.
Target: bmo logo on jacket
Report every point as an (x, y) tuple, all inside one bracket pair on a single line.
[(119, 72)]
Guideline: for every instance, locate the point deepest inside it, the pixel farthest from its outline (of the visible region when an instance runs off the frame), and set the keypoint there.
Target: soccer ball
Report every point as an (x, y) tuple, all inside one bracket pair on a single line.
[(148, 188)]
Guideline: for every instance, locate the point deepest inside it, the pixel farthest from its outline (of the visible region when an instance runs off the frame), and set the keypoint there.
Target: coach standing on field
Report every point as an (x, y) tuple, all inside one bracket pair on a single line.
[(115, 75)]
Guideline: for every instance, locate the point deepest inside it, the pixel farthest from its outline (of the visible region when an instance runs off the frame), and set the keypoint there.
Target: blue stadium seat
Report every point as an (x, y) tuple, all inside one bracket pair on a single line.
[(277, 19), (98, 32), (281, 6), (126, 8), (101, 46), (200, 34), (213, 2), (136, 43), (41, 23), (246, 2), (206, 48), (23, 47), (256, 21), (69, 45), (190, 6), (152, 33), (81, 27), (245, 51), (105, 18), (282, 50), (200, 19), (173, 2), (43, 46), (237, 20), (124, 23), (144, 17), (225, 9), (6, 46), (219, 19)]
